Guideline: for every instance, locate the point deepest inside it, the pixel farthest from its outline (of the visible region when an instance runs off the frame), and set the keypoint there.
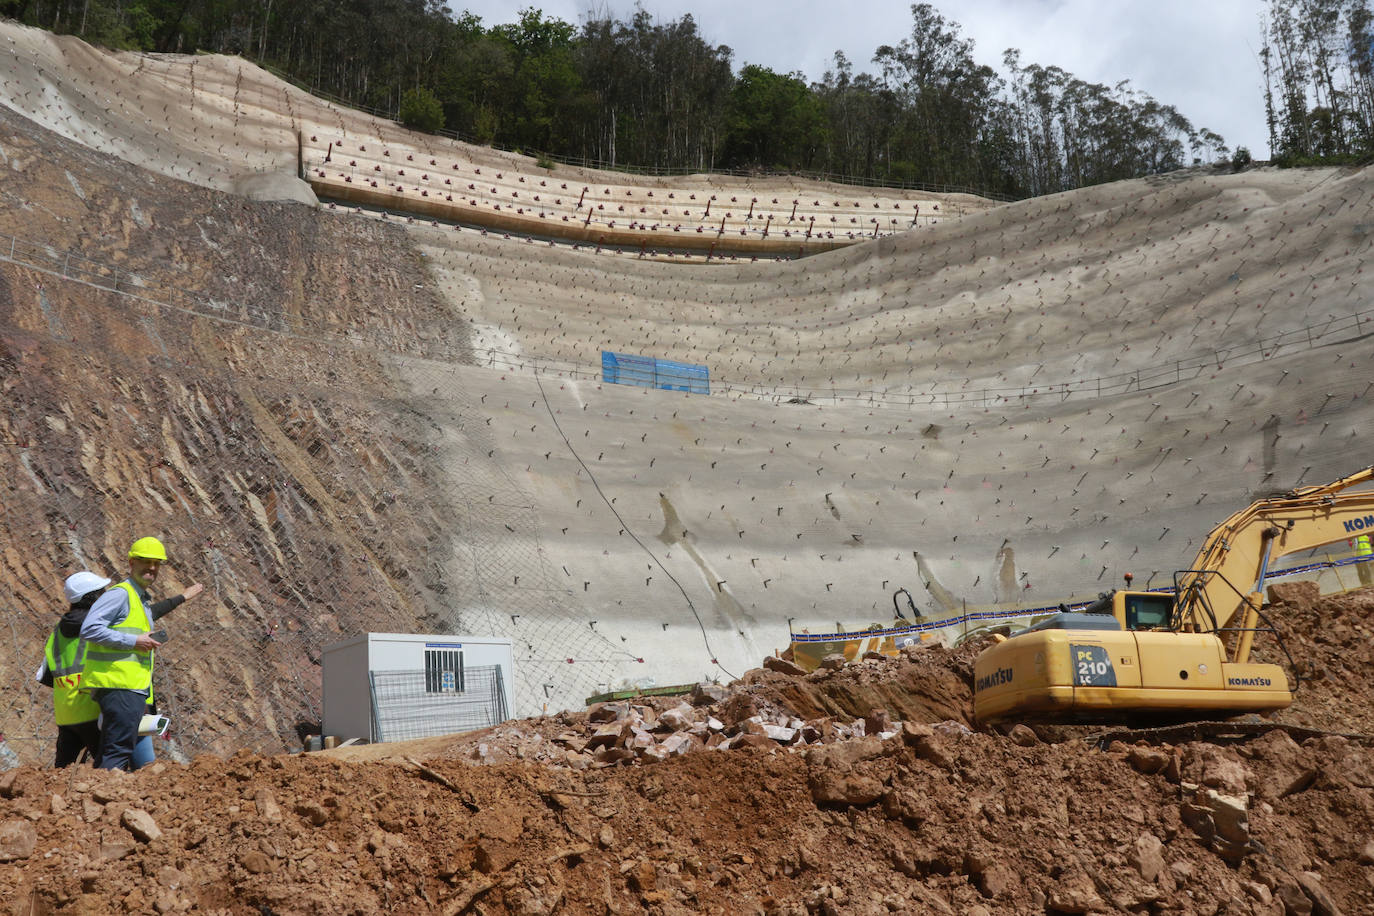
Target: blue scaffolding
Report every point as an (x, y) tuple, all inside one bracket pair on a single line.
[(647, 372)]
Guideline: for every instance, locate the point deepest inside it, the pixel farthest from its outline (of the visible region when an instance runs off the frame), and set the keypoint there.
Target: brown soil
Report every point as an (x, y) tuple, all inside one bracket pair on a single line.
[(930, 816), (1332, 641)]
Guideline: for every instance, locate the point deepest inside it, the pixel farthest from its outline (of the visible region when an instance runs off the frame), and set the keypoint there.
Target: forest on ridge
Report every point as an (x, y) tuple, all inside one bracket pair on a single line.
[(641, 94)]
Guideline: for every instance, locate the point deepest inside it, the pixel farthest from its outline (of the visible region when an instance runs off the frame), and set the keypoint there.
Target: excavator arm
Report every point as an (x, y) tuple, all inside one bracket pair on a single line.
[(1126, 655), (1224, 588)]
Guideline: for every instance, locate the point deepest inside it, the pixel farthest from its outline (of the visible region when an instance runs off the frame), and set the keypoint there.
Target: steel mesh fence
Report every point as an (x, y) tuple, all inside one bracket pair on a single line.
[(412, 704)]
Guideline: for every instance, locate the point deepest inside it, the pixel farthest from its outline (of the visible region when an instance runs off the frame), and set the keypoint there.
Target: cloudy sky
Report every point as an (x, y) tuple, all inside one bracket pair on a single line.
[(1201, 56)]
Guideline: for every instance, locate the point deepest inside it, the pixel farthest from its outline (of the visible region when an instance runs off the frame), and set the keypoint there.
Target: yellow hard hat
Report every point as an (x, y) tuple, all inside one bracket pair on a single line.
[(148, 549)]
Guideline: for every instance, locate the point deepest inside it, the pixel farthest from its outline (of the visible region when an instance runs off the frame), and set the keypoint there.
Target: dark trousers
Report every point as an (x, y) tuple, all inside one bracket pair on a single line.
[(73, 739), (121, 711)]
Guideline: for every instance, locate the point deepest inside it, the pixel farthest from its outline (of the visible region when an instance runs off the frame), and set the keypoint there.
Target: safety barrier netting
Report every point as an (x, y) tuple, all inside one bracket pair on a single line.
[(314, 503)]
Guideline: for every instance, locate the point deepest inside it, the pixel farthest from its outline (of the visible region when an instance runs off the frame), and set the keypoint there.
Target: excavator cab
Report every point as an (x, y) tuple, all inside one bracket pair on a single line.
[(1148, 610), (1134, 610)]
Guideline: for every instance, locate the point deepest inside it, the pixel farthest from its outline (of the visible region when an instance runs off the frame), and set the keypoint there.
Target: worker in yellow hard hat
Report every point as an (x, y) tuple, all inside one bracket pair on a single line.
[(120, 648), (1365, 556)]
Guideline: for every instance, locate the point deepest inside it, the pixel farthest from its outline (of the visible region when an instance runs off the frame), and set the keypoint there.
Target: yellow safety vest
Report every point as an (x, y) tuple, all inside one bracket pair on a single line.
[(71, 705), (117, 667), (1362, 547)]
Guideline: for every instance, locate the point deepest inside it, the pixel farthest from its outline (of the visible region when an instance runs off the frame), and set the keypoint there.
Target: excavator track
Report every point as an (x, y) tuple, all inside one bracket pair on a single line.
[(1216, 733)]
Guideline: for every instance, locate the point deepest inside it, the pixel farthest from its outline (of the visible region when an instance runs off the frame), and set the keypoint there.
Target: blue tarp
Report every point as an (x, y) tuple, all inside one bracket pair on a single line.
[(647, 372)]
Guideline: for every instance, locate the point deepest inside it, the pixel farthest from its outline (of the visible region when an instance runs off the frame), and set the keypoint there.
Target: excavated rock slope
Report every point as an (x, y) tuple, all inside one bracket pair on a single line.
[(341, 424)]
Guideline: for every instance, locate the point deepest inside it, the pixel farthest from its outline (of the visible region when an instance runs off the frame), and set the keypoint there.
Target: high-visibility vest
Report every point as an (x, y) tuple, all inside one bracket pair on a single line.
[(71, 705), (1362, 547), (115, 666)]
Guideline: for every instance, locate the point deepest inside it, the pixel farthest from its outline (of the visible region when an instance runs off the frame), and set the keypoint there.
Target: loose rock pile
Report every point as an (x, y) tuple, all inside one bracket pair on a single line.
[(777, 706), (621, 732)]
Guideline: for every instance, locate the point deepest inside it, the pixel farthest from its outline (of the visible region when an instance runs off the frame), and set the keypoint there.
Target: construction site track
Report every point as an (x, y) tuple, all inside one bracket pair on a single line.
[(1216, 733)]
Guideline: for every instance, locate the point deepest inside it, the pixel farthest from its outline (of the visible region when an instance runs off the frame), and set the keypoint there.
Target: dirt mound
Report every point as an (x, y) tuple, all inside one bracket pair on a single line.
[(1332, 641), (925, 685), (933, 820)]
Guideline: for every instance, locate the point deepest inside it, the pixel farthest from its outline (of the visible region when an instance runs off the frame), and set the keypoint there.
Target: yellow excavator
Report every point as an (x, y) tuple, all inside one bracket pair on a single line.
[(1183, 653)]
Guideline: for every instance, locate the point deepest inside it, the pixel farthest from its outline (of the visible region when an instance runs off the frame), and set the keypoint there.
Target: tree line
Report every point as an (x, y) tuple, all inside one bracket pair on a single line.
[(643, 94), (1318, 64)]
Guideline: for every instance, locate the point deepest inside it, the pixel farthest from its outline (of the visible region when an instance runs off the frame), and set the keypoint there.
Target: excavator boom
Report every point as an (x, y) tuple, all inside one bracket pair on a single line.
[(1186, 654), (1227, 578)]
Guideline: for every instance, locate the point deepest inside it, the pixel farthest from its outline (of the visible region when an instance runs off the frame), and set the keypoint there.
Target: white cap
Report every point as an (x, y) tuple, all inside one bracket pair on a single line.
[(83, 583)]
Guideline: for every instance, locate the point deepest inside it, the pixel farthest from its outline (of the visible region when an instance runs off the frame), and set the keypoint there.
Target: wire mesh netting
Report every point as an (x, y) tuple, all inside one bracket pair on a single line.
[(280, 433), (415, 704), (315, 502)]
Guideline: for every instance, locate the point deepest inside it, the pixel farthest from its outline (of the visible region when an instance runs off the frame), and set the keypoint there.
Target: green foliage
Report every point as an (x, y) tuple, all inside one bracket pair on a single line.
[(107, 27), (655, 94), (774, 121), (1342, 159), (143, 26), (1241, 159), (545, 79), (638, 93), (1070, 133), (942, 97), (101, 22), (421, 110)]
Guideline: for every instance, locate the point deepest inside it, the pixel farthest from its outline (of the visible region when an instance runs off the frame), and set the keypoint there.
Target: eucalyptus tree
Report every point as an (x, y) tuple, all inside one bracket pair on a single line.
[(861, 114), (1318, 60), (546, 89), (944, 96), (660, 91)]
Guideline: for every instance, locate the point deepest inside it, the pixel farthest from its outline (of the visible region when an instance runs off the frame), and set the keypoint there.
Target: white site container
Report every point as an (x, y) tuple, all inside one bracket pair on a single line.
[(350, 666)]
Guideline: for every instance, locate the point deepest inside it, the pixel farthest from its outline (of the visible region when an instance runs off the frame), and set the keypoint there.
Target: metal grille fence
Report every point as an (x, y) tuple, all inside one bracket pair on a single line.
[(410, 704)]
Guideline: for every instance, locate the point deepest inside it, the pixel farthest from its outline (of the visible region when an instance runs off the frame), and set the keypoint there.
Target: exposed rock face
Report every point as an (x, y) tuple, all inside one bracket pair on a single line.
[(237, 464)]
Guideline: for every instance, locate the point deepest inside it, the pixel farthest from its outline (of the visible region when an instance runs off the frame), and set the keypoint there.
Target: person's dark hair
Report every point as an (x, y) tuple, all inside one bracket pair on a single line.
[(88, 599)]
